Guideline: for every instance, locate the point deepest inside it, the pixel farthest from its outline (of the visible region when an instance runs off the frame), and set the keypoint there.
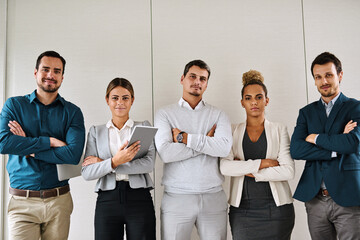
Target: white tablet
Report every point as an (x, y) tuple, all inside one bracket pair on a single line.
[(144, 134)]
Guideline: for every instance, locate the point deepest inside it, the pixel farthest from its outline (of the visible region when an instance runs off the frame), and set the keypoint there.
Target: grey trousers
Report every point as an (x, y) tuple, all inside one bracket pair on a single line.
[(180, 212), (328, 220)]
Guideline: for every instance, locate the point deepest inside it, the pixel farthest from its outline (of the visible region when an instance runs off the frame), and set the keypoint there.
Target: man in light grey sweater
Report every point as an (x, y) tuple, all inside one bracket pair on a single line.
[(192, 136)]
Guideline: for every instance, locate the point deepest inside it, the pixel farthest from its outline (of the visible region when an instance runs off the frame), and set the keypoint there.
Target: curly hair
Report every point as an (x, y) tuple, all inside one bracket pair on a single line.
[(253, 77)]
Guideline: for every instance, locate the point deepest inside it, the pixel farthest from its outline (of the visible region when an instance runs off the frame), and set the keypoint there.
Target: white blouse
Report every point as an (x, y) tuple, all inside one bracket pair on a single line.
[(117, 137)]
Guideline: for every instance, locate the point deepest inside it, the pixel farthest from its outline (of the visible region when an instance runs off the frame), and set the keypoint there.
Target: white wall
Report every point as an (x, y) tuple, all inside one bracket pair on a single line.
[(3, 198), (149, 42), (332, 26)]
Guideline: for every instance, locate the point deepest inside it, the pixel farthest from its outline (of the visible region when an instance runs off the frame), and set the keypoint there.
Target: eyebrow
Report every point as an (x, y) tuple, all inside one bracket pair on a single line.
[(57, 69), (249, 95), (115, 95), (319, 74), (198, 75)]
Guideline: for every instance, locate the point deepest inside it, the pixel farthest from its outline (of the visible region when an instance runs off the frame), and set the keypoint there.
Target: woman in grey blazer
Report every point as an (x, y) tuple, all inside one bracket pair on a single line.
[(124, 183), (259, 165)]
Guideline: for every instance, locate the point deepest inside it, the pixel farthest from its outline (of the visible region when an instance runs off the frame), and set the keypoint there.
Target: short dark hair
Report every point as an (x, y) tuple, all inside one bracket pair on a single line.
[(200, 63), (325, 58), (50, 54), (119, 82)]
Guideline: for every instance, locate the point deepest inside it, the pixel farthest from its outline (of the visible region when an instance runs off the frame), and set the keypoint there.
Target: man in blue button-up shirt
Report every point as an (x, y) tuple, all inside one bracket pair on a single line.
[(38, 131)]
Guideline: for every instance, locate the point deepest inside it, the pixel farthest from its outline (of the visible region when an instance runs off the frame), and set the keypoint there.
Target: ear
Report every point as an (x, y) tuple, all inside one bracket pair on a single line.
[(182, 78), (132, 100), (340, 76), (242, 104), (35, 72), (107, 100), (267, 101)]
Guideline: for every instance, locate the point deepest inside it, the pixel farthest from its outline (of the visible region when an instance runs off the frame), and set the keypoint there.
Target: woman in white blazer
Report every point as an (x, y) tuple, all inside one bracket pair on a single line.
[(259, 165), (124, 183)]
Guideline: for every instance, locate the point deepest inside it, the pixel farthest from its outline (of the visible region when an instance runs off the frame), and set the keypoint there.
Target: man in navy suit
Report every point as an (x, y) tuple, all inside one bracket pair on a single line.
[(327, 137)]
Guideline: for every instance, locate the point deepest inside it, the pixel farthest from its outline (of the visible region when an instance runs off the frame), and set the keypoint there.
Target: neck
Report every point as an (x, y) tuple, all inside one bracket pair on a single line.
[(255, 121), (119, 121), (192, 100), (46, 98)]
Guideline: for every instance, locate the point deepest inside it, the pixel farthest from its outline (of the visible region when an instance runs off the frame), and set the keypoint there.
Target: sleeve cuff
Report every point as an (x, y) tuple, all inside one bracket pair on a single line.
[(189, 140), (316, 138)]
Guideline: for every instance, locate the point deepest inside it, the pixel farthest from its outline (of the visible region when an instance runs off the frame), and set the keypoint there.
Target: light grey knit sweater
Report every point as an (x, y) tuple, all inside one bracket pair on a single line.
[(192, 168)]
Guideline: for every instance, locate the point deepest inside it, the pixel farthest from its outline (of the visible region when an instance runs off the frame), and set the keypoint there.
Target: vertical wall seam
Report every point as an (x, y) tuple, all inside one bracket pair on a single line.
[(2, 159), (305, 58), (152, 81)]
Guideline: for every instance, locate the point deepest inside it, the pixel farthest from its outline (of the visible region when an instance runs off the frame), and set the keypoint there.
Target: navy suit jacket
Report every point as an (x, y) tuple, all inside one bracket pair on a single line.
[(342, 173)]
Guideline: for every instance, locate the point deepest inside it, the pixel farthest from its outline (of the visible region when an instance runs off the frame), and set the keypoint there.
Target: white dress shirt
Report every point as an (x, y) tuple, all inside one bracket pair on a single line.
[(117, 137)]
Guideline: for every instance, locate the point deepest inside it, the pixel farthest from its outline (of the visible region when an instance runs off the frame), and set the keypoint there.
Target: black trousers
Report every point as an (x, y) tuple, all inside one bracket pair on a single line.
[(125, 206)]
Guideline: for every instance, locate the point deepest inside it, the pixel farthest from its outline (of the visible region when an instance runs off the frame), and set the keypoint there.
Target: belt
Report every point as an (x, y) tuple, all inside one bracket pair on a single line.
[(40, 194), (324, 192)]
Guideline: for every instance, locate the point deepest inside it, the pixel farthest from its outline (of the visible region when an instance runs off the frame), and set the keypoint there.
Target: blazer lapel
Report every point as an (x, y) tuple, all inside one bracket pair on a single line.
[(321, 112), (103, 139), (334, 112), (272, 140), (239, 132)]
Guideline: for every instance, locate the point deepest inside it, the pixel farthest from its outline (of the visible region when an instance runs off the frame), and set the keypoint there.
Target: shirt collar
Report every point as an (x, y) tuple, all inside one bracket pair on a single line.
[(185, 104), (129, 123), (332, 101), (32, 97)]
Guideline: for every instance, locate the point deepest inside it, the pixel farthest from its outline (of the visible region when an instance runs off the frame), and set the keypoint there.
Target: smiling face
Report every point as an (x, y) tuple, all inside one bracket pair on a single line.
[(120, 102), (254, 100), (49, 75), (327, 80)]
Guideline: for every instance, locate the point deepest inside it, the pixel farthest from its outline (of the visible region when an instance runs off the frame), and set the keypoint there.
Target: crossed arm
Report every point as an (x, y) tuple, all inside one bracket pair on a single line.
[(348, 128), (234, 166), (13, 140), (16, 129), (95, 167), (216, 142), (303, 144), (280, 168)]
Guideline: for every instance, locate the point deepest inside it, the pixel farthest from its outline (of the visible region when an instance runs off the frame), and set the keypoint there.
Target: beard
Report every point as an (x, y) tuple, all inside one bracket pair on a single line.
[(329, 93), (48, 88), (195, 94)]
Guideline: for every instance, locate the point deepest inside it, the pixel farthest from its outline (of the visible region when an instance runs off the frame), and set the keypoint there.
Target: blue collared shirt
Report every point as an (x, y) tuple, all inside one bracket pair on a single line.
[(60, 119), (329, 106)]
